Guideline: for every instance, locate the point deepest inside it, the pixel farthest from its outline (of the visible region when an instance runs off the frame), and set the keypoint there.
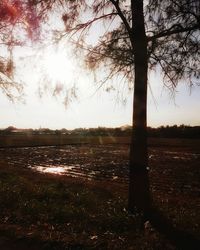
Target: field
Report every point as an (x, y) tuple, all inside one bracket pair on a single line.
[(31, 140), (75, 196)]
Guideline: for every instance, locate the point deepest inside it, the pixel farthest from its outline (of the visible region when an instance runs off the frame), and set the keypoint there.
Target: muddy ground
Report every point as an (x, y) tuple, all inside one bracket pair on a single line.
[(174, 173), (173, 170)]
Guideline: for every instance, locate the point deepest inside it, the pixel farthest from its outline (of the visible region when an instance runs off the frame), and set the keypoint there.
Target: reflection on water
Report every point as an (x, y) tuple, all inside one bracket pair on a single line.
[(52, 169)]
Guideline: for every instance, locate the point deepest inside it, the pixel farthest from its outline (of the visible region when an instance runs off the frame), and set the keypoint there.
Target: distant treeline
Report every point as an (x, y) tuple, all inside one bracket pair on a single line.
[(175, 131)]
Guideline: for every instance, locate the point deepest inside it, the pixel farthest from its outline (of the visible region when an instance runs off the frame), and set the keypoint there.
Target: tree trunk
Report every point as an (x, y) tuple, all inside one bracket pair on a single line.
[(139, 197)]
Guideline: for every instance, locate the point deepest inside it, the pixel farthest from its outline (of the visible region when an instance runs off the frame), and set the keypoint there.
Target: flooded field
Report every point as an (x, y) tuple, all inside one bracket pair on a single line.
[(56, 191), (171, 168)]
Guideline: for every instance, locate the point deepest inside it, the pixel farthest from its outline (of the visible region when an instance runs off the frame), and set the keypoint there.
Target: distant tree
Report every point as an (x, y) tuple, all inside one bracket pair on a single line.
[(10, 129)]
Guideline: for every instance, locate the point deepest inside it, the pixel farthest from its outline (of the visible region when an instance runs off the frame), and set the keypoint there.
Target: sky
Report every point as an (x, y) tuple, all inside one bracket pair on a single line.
[(91, 108)]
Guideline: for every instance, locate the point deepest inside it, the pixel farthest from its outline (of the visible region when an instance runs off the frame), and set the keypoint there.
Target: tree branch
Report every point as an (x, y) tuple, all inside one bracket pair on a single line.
[(172, 31), (121, 15), (86, 24)]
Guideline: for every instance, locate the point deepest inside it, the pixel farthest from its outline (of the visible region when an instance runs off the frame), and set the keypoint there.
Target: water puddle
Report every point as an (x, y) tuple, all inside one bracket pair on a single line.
[(60, 170), (115, 177), (192, 155)]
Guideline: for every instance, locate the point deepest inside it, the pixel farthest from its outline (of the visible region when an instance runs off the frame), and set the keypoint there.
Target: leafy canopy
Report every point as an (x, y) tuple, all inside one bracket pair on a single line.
[(102, 30), (172, 32)]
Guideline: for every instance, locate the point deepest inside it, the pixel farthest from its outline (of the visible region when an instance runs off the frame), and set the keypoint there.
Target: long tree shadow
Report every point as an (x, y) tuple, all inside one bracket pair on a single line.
[(181, 239)]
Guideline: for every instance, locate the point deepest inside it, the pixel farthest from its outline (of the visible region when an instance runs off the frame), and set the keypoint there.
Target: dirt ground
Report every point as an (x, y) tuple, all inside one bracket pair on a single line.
[(172, 169), (174, 173)]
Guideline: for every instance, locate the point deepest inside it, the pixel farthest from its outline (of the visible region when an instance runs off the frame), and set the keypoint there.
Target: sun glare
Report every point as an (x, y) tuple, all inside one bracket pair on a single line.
[(58, 67)]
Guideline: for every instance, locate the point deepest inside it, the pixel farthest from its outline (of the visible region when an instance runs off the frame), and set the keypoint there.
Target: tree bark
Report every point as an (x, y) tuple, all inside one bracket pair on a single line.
[(139, 196)]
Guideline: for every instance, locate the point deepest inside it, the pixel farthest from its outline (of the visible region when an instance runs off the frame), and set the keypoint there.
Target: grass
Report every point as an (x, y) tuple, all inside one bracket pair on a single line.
[(64, 213)]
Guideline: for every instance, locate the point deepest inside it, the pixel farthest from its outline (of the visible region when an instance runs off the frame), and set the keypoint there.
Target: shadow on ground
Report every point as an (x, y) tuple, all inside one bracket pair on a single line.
[(181, 239)]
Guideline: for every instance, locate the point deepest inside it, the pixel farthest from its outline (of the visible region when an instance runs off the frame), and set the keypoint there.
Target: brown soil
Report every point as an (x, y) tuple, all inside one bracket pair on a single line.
[(174, 177)]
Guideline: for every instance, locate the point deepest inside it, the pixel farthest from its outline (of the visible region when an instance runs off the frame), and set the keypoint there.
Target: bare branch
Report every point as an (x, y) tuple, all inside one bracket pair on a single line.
[(89, 23), (121, 15), (175, 29)]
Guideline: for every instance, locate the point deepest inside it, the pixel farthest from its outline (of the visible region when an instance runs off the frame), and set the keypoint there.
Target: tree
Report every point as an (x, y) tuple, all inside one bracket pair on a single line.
[(21, 25), (154, 34), (139, 36), (18, 21)]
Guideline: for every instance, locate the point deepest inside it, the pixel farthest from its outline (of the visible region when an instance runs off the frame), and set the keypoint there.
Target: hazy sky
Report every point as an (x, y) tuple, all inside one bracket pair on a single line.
[(89, 109)]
